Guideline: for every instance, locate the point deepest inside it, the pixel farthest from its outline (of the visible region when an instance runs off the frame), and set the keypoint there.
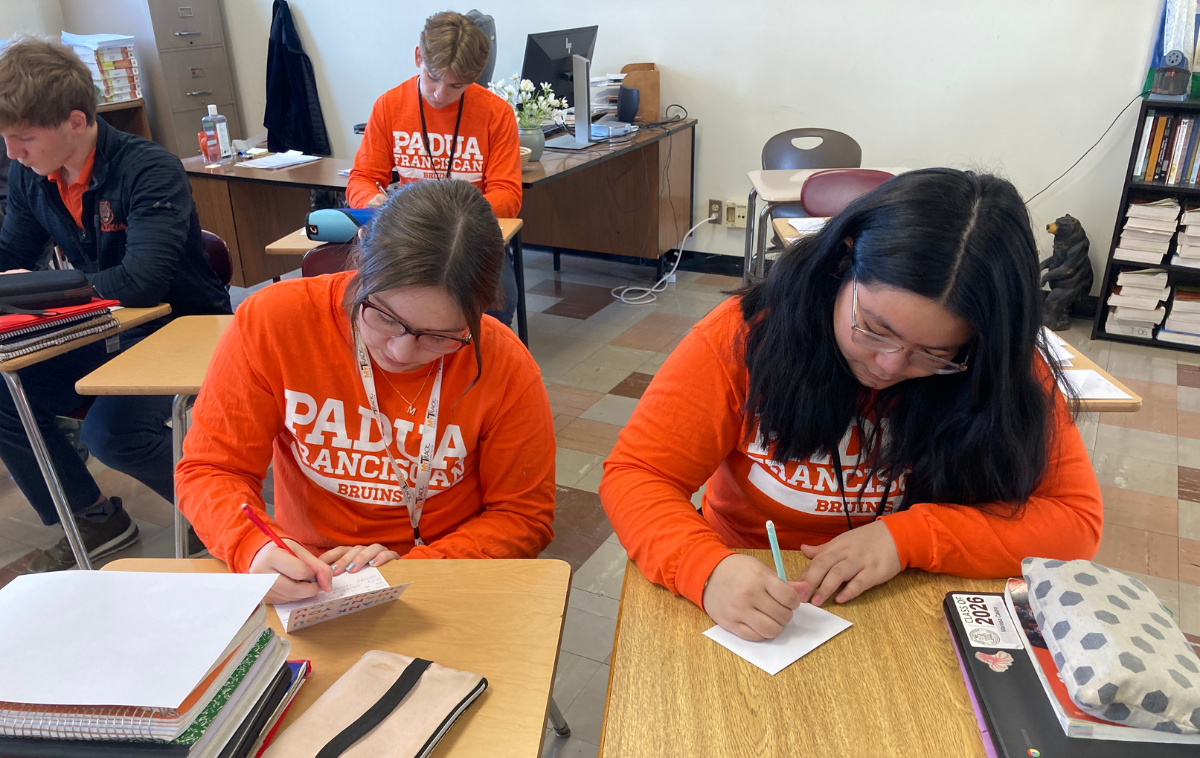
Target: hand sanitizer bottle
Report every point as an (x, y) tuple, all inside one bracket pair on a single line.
[(216, 130)]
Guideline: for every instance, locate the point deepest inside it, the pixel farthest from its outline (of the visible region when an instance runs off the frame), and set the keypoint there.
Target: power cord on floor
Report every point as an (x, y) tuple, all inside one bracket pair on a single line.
[(647, 295)]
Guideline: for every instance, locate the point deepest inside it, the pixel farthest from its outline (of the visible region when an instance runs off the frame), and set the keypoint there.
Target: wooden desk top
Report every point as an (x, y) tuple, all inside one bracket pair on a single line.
[(556, 163), (889, 685), (298, 243), (501, 619), (784, 186), (322, 174), (128, 318), (172, 361)]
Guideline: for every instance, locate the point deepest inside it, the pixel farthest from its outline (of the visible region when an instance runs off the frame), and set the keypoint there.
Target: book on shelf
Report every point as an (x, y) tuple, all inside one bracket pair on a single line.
[(1191, 213), (1143, 278), (1186, 300), (1160, 122), (1165, 209), (1129, 328), (1161, 239), (1186, 261), (1132, 297), (1144, 315), (1183, 322), (1151, 224), (1139, 167), (1138, 256), (1178, 148), (1182, 338)]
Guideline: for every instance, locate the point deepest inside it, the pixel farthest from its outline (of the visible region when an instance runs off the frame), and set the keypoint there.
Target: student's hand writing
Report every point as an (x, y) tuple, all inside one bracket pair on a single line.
[(354, 559), (295, 574), (745, 597), (377, 201), (860, 558)]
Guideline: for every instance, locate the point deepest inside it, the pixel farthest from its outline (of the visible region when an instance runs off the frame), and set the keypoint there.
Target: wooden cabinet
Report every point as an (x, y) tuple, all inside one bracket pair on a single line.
[(180, 47)]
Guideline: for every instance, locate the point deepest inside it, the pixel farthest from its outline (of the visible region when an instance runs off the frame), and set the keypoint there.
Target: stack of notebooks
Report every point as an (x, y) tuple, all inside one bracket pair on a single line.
[(21, 334), (1149, 227), (113, 65), (1168, 150), (140, 664), (1183, 322), (1135, 304), (1021, 704)]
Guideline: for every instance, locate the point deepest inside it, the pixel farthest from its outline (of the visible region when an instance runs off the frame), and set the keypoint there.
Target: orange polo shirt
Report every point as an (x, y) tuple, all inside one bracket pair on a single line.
[(72, 194)]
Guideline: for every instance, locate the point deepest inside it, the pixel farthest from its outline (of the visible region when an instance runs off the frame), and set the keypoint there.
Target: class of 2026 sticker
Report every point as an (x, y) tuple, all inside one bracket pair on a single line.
[(987, 622)]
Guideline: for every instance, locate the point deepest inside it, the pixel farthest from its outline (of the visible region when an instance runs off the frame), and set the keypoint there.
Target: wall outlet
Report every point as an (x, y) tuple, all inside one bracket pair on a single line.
[(730, 217), (735, 214), (716, 211)]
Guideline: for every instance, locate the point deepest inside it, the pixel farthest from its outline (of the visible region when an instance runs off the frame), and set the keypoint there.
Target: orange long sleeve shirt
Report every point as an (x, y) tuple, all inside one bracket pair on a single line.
[(487, 153), (689, 427), (283, 387)]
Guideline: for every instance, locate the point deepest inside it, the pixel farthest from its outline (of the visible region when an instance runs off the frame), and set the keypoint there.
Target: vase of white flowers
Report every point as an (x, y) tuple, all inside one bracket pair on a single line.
[(532, 108)]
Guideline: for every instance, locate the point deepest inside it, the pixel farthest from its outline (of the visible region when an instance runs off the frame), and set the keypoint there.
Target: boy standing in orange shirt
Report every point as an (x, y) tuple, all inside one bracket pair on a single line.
[(441, 125)]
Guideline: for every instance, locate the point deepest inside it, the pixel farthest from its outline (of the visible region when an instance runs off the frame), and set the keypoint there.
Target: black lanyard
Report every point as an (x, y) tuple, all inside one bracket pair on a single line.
[(425, 132)]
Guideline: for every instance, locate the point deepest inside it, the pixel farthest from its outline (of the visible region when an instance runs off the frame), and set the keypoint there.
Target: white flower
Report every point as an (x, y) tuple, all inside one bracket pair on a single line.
[(526, 85), (545, 86)]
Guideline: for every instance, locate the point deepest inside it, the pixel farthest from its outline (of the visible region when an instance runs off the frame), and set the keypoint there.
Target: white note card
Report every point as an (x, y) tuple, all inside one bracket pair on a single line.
[(351, 593), (809, 628), (1090, 385), (806, 225)]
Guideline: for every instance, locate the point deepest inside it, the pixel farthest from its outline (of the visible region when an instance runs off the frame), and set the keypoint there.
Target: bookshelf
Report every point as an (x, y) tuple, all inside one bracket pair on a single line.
[(1135, 188)]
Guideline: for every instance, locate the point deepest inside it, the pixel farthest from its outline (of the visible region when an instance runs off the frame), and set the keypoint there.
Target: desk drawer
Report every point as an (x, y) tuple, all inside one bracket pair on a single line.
[(197, 77), (180, 24)]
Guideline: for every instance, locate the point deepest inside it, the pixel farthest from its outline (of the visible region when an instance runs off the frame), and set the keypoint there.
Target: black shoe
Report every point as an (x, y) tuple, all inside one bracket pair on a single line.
[(195, 547), (118, 533)]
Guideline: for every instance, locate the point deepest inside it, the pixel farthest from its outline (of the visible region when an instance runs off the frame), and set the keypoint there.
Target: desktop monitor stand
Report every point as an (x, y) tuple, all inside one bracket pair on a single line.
[(581, 140)]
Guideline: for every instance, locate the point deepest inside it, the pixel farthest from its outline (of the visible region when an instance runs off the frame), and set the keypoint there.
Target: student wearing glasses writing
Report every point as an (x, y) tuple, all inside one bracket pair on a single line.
[(400, 419), (880, 397)]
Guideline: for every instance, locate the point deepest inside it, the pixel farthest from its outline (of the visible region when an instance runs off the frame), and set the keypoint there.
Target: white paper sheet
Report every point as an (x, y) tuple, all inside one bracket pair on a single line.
[(280, 160), (1089, 385), (809, 628), (350, 593), (806, 226), (1057, 350), (117, 637)]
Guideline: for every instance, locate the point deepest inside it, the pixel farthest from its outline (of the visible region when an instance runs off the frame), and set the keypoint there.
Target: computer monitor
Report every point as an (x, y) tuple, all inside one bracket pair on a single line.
[(548, 58)]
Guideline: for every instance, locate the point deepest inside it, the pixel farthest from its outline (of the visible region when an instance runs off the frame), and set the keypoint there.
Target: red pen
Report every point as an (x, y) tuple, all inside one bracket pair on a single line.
[(265, 529)]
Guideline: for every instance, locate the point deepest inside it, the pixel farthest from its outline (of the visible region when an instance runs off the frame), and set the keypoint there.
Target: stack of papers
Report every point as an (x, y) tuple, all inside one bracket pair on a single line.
[(280, 160), (194, 668), (110, 58)]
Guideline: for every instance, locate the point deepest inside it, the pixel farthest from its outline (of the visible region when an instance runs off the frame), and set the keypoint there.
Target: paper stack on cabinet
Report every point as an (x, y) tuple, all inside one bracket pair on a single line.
[(1149, 227), (1135, 305), (113, 65), (604, 93)]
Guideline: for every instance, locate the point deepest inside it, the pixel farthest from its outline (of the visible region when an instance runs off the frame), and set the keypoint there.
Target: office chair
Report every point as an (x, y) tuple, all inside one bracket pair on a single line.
[(836, 150), (329, 258), (218, 256)]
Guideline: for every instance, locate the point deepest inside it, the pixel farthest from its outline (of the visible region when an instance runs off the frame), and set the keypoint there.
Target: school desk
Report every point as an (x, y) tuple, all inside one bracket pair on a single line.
[(888, 686), (298, 243), (127, 318), (250, 207), (774, 187), (172, 361), (502, 619)]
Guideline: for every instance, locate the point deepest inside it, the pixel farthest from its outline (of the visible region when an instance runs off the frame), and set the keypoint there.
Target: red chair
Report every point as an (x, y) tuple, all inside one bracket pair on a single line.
[(827, 193), (329, 258), (218, 256)]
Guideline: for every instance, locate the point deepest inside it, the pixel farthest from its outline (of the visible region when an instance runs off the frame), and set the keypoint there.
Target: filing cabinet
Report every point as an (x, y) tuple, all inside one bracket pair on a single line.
[(181, 50)]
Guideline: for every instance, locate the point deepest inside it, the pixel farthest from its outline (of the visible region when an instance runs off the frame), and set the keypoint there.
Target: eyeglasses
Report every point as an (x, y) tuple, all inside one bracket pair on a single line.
[(872, 341), (385, 323)]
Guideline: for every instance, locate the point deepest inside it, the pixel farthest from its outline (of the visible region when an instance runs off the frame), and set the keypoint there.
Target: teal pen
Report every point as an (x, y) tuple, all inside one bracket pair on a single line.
[(775, 551)]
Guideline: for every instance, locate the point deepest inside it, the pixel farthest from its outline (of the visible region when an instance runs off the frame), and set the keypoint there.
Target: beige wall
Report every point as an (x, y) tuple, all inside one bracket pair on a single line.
[(1021, 87), (42, 17)]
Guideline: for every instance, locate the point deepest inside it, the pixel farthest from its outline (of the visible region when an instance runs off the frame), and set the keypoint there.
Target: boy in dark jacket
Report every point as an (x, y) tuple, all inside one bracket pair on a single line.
[(120, 209)]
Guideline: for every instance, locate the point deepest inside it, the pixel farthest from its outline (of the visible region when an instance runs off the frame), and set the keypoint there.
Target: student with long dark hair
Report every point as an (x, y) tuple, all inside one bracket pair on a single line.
[(880, 397), (402, 421)]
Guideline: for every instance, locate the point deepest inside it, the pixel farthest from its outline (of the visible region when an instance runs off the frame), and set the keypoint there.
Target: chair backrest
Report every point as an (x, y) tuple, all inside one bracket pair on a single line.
[(836, 150), (329, 258), (218, 256), (826, 193)]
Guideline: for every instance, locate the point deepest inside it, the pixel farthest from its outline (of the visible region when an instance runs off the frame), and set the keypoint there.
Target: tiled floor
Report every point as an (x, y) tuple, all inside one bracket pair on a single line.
[(597, 357)]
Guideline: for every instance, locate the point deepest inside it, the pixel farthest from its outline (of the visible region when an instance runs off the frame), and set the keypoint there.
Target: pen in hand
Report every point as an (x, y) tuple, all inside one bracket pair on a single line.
[(775, 551), (265, 528)]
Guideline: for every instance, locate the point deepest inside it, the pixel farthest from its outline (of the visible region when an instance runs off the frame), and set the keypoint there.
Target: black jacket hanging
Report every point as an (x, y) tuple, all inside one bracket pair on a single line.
[(293, 113)]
